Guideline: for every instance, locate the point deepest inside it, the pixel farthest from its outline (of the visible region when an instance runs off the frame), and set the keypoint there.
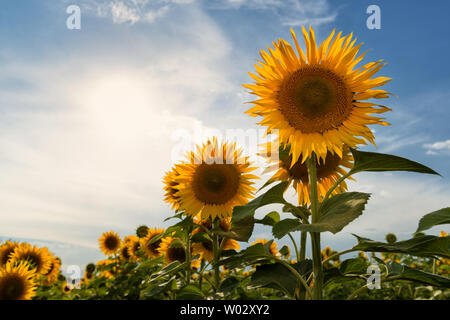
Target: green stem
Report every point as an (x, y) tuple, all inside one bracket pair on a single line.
[(303, 239), (337, 255), (315, 236), (188, 258), (216, 251), (336, 184), (295, 246)]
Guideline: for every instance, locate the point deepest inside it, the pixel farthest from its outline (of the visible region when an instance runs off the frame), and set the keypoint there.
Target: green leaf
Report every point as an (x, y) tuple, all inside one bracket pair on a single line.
[(434, 218), (299, 212), (241, 230), (285, 280), (336, 212), (269, 219), (190, 292), (251, 255), (372, 161), (353, 266), (273, 195), (403, 272), (285, 226), (229, 285), (201, 237), (422, 246)]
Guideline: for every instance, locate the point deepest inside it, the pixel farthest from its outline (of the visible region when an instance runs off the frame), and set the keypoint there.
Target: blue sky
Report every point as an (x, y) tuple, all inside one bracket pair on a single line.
[(89, 117)]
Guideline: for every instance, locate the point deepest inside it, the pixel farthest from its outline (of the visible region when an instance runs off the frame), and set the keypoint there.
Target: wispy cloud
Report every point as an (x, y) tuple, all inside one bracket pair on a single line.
[(289, 12), (439, 147)]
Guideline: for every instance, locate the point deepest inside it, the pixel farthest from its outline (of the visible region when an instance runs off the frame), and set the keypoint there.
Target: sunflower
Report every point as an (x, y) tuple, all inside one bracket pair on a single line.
[(171, 188), (6, 249), (205, 248), (17, 281), (53, 272), (38, 258), (273, 246), (317, 102), (214, 180), (124, 252), (151, 249), (109, 242), (67, 287), (134, 245), (173, 251), (328, 172), (142, 231)]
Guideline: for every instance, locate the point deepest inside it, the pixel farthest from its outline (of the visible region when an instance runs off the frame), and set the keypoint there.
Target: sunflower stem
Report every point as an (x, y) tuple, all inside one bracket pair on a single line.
[(315, 236), (303, 236), (216, 251), (295, 246), (188, 258)]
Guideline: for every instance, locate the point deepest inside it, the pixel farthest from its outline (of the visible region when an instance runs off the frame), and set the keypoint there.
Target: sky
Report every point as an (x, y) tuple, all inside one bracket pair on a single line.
[(91, 118)]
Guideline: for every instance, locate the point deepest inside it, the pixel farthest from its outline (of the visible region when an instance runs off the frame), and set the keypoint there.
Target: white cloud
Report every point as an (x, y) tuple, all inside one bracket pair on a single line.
[(438, 147), (88, 136), (289, 12)]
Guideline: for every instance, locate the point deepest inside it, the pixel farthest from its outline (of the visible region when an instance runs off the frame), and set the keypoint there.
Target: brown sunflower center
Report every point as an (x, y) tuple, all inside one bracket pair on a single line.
[(35, 260), (12, 288), (314, 99), (176, 254), (111, 243), (325, 168), (125, 252), (207, 245), (6, 255), (215, 183), (153, 247)]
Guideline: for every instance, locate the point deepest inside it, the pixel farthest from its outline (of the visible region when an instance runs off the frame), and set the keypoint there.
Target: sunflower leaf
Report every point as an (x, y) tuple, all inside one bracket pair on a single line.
[(422, 246), (403, 272), (435, 218), (190, 292), (273, 195), (336, 213), (269, 219), (251, 255), (241, 230), (372, 161)]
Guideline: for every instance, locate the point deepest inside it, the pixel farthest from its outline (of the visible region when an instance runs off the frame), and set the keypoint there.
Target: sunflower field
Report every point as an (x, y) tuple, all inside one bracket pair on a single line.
[(317, 105)]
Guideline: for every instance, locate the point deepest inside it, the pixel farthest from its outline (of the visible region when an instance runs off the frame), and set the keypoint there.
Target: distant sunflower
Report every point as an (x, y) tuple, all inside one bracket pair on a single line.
[(173, 251), (124, 252), (151, 249), (171, 187), (214, 180), (17, 281), (205, 248), (38, 258), (66, 288), (142, 231), (317, 102), (109, 243), (6, 249), (272, 248), (134, 245), (328, 172), (52, 274)]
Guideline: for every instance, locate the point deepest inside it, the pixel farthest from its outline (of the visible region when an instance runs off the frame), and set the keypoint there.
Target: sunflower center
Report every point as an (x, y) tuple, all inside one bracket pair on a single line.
[(125, 253), (6, 255), (155, 246), (176, 254), (13, 288), (111, 243), (215, 183), (207, 245), (299, 171), (314, 99)]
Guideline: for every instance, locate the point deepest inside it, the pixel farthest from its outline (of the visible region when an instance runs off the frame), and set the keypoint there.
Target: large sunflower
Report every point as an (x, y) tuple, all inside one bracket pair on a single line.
[(38, 258), (109, 243), (171, 188), (328, 172), (173, 251), (17, 281), (151, 249), (205, 248), (214, 180), (317, 101), (6, 249)]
